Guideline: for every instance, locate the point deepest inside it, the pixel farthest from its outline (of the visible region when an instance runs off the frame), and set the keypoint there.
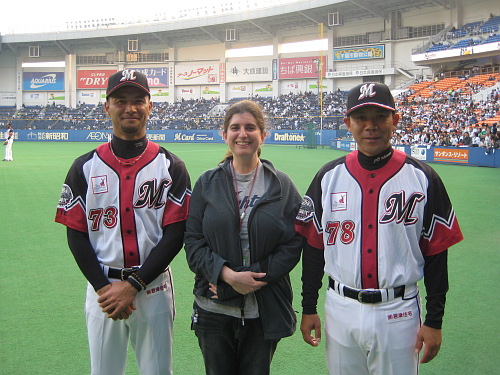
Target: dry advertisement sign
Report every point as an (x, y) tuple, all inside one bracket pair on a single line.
[(93, 79)]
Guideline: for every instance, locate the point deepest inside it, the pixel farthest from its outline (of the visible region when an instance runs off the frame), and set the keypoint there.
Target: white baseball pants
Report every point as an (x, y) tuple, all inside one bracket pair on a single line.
[(8, 150), (371, 339), (149, 330)]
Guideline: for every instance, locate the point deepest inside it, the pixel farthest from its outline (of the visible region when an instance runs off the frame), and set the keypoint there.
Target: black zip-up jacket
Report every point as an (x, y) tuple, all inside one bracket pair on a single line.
[(212, 240)]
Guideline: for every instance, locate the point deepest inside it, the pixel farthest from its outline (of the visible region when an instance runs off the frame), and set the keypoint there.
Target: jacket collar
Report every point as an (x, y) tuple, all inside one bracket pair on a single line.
[(274, 191)]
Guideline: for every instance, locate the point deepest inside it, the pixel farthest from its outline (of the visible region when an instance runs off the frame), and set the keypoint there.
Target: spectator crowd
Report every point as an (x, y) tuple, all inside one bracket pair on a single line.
[(444, 118)]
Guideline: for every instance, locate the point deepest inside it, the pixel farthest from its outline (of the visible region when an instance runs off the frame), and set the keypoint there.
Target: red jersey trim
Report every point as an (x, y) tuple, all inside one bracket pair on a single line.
[(370, 183), (128, 174)]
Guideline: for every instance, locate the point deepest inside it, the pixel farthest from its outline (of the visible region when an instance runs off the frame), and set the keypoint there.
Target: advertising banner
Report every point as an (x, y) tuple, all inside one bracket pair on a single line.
[(359, 53), (7, 99), (98, 79), (361, 72), (263, 89), (283, 137), (430, 154), (244, 90), (292, 86), (43, 81), (451, 155), (253, 71), (199, 74), (93, 79), (210, 90), (456, 52), (157, 77), (301, 67), (90, 96), (35, 98)]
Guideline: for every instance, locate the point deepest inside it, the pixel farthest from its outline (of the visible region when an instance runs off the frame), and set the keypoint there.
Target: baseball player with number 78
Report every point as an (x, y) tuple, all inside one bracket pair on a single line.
[(376, 221)]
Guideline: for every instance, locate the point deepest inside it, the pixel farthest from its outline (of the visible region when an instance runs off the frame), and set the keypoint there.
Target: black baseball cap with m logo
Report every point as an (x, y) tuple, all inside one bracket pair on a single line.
[(127, 77), (370, 93)]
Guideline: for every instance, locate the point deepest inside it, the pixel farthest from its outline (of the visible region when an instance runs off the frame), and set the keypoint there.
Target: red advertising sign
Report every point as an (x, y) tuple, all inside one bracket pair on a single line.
[(93, 79), (302, 67)]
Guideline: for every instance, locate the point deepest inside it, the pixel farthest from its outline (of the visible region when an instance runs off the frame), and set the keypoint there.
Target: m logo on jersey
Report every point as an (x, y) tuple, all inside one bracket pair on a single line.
[(400, 210), (150, 195)]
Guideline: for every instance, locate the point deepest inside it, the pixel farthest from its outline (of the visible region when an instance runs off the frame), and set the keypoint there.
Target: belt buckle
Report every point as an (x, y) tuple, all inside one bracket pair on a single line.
[(125, 272), (360, 296), (369, 294)]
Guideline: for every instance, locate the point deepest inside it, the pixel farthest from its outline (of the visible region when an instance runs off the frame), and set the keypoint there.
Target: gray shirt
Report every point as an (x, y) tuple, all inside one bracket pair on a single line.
[(249, 194)]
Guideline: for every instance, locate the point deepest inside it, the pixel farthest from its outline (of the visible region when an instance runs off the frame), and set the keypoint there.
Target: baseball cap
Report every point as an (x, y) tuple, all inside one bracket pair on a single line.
[(127, 77), (370, 93)]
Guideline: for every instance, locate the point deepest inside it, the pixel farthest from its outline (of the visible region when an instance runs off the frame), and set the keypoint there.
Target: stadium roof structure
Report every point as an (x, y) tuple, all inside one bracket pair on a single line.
[(252, 25)]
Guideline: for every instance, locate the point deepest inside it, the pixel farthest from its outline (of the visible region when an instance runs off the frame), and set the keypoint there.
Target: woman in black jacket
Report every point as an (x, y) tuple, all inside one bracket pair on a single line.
[(241, 244)]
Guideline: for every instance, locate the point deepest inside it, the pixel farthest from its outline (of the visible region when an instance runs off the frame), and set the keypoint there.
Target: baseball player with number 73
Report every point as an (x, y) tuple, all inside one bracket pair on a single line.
[(125, 205), (376, 221)]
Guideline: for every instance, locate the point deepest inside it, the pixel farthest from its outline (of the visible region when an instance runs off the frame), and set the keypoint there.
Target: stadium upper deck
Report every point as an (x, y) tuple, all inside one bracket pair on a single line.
[(186, 58)]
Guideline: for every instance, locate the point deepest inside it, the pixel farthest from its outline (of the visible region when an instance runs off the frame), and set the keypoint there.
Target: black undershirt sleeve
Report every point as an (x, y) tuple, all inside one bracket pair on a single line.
[(436, 286), (159, 258), (313, 265), (86, 258), (164, 252)]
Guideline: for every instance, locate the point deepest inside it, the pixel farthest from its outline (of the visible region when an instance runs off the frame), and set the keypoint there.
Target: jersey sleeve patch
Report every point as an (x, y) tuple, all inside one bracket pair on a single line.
[(70, 210), (306, 211), (307, 225)]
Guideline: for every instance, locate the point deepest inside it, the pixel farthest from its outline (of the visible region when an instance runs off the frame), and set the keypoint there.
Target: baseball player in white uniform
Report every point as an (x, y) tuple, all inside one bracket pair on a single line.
[(9, 140), (376, 221), (125, 205)]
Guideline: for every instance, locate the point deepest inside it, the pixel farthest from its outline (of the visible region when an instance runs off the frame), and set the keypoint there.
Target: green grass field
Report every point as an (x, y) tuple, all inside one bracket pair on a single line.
[(42, 291)]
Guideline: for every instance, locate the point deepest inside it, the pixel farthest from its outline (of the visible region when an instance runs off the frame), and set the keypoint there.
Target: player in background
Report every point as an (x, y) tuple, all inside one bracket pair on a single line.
[(375, 221), (9, 140), (241, 244), (125, 205)]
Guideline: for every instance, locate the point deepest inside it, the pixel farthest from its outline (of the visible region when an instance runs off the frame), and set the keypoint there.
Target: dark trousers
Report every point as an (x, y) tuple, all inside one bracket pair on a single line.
[(230, 347)]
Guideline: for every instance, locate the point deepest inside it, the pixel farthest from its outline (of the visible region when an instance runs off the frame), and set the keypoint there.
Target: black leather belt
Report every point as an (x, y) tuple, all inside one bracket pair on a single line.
[(121, 273), (367, 296)]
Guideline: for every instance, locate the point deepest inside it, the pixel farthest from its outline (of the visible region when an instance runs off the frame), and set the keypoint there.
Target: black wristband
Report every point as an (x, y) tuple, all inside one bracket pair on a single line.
[(134, 283), (141, 282)]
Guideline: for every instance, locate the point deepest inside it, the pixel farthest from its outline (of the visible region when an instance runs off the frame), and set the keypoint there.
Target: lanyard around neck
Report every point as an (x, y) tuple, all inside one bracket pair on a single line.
[(242, 215)]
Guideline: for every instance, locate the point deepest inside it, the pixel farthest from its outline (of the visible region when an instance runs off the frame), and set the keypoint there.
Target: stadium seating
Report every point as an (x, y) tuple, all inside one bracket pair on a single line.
[(469, 34), (492, 25), (463, 43), (450, 97), (438, 47)]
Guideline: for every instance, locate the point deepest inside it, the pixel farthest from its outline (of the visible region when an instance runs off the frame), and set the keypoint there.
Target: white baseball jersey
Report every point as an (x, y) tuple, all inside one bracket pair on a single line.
[(123, 206), (377, 226), (9, 138), (123, 209)]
